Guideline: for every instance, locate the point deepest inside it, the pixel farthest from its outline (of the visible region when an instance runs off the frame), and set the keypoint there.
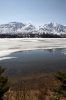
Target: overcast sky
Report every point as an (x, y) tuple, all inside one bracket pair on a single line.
[(37, 12)]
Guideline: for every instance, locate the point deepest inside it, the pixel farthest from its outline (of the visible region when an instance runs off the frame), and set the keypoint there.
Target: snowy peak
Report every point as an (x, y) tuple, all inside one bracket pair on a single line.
[(15, 27), (53, 24), (22, 28), (53, 28), (50, 25), (29, 26)]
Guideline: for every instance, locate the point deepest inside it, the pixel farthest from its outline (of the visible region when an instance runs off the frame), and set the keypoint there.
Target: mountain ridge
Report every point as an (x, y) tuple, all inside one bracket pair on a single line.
[(22, 28)]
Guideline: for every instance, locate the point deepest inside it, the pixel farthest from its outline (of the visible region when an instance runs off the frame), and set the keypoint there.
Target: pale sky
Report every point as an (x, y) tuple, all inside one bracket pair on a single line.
[(36, 12)]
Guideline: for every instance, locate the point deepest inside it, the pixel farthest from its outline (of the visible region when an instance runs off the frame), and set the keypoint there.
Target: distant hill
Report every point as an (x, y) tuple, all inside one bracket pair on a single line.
[(18, 28)]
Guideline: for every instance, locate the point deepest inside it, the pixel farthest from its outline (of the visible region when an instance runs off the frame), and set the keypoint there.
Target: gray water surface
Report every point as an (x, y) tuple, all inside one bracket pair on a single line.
[(34, 62)]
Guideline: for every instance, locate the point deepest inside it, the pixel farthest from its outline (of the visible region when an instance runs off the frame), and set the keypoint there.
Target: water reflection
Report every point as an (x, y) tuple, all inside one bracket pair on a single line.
[(34, 62), (55, 49)]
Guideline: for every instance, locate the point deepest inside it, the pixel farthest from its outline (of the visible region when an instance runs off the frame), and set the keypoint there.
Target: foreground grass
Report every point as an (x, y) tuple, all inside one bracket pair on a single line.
[(35, 89)]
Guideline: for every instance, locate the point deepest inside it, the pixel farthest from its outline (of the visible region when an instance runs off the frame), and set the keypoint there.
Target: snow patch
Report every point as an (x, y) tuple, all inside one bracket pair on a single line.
[(8, 46)]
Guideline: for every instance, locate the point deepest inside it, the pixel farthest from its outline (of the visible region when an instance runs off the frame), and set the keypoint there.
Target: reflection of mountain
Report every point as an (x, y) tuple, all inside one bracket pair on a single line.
[(50, 50), (23, 51), (17, 54), (64, 52), (54, 49)]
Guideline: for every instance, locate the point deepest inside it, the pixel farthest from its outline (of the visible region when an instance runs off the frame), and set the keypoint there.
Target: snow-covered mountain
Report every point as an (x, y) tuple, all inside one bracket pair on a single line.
[(21, 28), (16, 28), (53, 28)]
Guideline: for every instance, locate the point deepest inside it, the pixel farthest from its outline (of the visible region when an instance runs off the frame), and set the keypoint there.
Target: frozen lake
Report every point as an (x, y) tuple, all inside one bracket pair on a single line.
[(10, 45), (28, 57)]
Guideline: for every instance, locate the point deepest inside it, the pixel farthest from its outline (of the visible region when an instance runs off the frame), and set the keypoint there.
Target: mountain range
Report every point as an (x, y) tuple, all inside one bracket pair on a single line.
[(21, 28)]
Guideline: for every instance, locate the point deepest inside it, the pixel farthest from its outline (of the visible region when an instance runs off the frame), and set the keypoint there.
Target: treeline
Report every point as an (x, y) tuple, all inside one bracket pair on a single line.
[(50, 36), (30, 35)]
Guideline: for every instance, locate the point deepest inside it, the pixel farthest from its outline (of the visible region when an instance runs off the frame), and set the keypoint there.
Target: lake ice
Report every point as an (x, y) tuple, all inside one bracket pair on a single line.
[(11, 45)]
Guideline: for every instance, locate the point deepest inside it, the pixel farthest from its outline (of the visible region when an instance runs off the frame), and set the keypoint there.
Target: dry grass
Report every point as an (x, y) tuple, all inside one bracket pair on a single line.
[(34, 89)]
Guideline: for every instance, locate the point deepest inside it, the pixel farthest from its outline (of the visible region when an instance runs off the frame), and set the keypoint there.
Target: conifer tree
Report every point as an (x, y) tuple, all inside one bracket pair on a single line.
[(61, 89), (4, 84)]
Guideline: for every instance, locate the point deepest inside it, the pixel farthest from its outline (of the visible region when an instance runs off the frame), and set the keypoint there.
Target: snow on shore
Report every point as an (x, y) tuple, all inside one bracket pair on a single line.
[(10, 45)]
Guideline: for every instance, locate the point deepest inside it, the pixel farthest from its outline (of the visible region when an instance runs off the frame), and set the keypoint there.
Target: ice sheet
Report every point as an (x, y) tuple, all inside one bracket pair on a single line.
[(10, 45)]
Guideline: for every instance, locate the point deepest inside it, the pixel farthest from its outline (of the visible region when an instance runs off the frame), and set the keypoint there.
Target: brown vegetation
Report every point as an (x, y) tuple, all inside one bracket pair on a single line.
[(34, 89)]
